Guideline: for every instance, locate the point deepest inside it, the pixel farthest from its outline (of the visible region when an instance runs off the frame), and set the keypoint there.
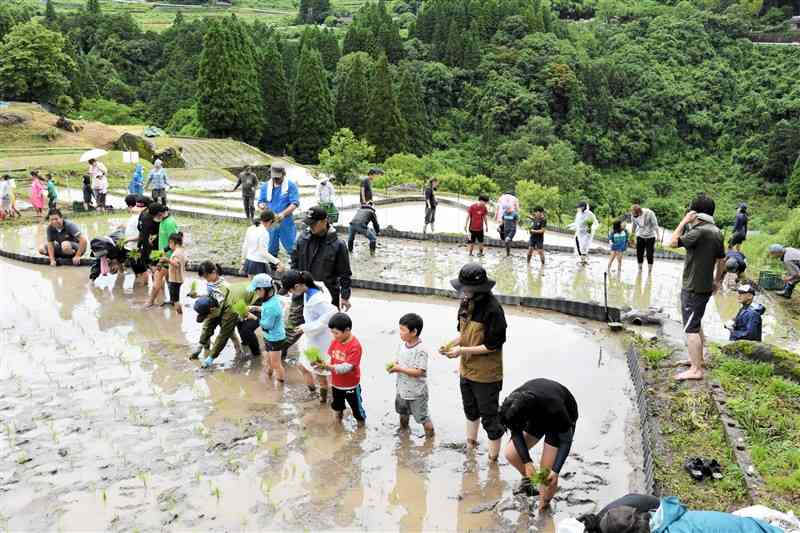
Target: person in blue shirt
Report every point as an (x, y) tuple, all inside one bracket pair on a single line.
[(618, 242), (735, 262), (282, 196), (747, 324), (271, 323), (739, 228), (510, 220), (137, 181)]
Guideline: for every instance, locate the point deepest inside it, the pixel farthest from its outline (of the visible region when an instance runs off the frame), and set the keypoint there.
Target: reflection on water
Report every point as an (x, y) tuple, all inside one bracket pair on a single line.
[(149, 439)]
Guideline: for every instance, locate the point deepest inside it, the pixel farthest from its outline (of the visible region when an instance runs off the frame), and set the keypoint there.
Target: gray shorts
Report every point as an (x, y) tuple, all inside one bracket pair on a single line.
[(418, 408)]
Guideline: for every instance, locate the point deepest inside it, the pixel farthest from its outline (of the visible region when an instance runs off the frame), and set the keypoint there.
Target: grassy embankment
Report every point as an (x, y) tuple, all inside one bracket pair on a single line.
[(766, 408)]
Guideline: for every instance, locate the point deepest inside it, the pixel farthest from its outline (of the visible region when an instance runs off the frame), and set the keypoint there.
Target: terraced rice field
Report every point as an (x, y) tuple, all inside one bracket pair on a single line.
[(207, 153)]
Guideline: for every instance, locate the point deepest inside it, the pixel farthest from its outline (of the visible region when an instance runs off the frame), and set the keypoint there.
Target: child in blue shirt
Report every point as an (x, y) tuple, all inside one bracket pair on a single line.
[(271, 323), (510, 219), (618, 240)]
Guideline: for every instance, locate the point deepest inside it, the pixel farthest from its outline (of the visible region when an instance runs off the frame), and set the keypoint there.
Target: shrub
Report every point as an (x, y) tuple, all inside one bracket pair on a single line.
[(107, 111)]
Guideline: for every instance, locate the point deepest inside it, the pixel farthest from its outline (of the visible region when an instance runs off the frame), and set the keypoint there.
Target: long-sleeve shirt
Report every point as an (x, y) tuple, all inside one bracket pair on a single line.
[(100, 183), (158, 178), (365, 216), (791, 261), (326, 194), (279, 197), (747, 324), (326, 258), (740, 223), (646, 224), (346, 362), (255, 245), (248, 181)]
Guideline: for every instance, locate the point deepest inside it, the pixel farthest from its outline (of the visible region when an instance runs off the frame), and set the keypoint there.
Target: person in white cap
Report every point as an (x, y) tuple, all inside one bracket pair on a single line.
[(747, 324)]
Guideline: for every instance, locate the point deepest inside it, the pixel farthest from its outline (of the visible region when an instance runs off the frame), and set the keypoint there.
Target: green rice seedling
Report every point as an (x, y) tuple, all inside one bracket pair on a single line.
[(193, 289), (540, 476), (240, 308), (313, 354), (156, 255), (390, 366)]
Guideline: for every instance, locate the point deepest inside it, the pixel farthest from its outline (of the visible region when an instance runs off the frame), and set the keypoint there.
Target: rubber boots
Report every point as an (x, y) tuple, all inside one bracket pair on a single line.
[(787, 291)]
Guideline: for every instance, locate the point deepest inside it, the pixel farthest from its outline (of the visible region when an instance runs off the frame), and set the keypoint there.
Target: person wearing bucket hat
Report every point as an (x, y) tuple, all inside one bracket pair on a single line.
[(282, 196), (479, 345)]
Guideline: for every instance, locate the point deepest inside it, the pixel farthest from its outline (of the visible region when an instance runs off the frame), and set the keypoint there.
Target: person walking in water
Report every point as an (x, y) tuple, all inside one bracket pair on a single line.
[(136, 186), (539, 408), (477, 224), (510, 220), (249, 181), (645, 228), (158, 177), (37, 193), (618, 243), (739, 228), (703, 270), (536, 241), (585, 226), (360, 226), (505, 201), (430, 205), (479, 345)]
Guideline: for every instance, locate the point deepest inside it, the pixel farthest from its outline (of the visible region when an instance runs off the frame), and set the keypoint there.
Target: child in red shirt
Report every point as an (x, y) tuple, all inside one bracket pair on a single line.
[(345, 366), (477, 224)]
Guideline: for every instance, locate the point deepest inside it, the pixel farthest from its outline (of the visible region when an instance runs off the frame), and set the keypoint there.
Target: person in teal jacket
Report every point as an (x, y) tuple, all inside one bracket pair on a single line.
[(673, 517)]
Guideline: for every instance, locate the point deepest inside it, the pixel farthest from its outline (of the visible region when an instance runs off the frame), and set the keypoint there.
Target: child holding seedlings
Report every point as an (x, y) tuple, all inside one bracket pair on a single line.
[(345, 366), (317, 312), (618, 241), (411, 367), (272, 327), (216, 310), (176, 270)]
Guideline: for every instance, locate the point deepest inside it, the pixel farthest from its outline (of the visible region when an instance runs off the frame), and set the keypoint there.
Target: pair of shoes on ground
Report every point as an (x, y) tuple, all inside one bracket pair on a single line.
[(701, 469)]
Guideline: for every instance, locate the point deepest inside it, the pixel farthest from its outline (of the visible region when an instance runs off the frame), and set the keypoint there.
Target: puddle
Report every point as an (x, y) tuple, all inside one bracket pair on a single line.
[(434, 264), (109, 426)]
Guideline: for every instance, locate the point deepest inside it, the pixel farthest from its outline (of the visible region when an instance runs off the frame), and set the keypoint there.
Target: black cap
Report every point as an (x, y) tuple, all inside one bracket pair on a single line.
[(582, 205), (315, 214), (203, 306), (375, 170), (473, 276)]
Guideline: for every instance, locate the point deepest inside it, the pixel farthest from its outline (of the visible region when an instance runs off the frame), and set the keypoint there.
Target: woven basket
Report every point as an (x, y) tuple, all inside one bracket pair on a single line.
[(770, 281)]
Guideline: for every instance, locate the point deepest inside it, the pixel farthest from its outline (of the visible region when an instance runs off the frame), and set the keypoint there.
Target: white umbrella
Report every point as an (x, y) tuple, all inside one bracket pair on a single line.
[(94, 153)]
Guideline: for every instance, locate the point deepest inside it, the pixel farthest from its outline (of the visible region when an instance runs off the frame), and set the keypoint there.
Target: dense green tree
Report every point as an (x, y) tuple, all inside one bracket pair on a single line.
[(93, 6), (352, 93), (373, 31), (793, 187), (275, 94), (34, 63), (346, 157), (228, 94), (412, 109), (313, 11), (50, 16), (313, 120), (783, 151), (386, 129)]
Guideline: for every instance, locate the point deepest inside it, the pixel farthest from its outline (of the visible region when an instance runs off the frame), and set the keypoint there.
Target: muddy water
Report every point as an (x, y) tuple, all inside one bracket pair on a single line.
[(449, 219), (434, 264), (107, 425)]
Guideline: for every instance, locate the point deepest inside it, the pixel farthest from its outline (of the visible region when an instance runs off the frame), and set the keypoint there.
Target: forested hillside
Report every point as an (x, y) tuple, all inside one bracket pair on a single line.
[(610, 100)]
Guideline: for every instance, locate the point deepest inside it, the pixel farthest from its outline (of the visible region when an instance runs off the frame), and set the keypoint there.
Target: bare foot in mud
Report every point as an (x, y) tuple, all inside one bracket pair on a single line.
[(472, 443), (689, 375)]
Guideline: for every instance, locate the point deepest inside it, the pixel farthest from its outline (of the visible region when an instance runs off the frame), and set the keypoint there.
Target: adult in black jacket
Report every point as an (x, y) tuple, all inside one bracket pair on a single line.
[(539, 408), (359, 226), (319, 251)]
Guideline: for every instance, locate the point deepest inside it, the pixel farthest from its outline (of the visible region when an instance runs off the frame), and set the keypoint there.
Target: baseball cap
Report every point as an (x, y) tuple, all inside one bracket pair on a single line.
[(582, 205), (315, 214), (375, 170), (746, 288), (261, 281), (277, 170), (203, 306)]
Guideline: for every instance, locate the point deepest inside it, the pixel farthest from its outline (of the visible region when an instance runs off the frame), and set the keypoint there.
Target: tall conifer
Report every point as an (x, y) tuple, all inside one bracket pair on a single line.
[(275, 94), (313, 121), (352, 95), (386, 128), (412, 109)]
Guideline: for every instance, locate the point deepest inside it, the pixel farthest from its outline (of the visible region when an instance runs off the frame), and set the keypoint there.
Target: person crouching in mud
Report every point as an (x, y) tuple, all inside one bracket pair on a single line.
[(539, 408), (479, 344)]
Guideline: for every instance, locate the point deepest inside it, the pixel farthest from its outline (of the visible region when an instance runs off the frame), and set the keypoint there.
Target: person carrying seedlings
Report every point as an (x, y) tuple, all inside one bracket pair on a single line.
[(618, 243), (791, 262), (585, 226), (703, 270), (176, 270), (219, 310), (88, 193), (430, 205), (136, 207), (747, 324), (256, 258), (317, 312), (272, 327), (477, 223), (281, 195), (136, 186), (345, 366), (510, 220), (479, 344), (160, 181), (539, 408), (52, 192), (411, 367), (645, 227), (536, 241), (359, 226), (249, 181), (739, 234)]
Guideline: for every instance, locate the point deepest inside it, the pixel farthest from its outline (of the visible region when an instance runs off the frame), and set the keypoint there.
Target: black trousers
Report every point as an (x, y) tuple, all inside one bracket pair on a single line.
[(645, 246), (482, 400), (249, 206), (247, 332)]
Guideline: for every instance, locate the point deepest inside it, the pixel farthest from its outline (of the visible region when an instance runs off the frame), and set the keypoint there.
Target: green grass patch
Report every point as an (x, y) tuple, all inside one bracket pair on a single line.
[(767, 408)]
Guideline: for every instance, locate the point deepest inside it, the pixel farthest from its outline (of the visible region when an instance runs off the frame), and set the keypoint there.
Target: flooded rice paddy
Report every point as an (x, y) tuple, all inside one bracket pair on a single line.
[(108, 425), (433, 264)]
